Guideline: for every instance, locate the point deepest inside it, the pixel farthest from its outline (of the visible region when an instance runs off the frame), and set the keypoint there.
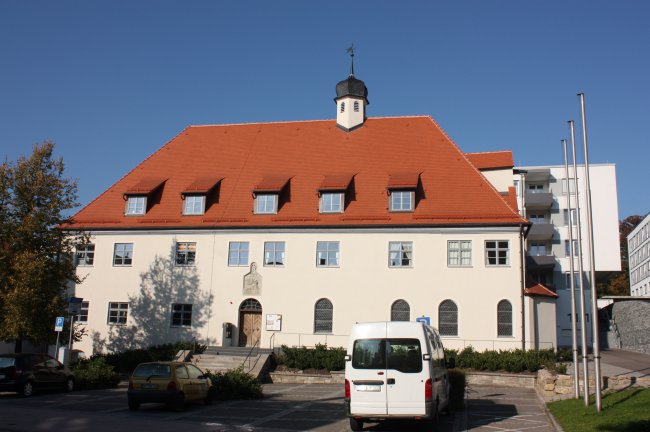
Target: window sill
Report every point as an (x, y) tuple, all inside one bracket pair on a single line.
[(400, 267), (461, 266), (325, 266)]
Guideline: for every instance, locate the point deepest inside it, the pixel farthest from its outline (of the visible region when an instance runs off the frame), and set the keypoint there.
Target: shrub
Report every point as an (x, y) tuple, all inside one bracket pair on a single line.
[(126, 361), (509, 360), (95, 373), (320, 357), (235, 384)]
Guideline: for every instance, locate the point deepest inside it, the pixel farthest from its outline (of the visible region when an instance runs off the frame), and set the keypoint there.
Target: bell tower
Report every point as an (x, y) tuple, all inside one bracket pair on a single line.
[(351, 100)]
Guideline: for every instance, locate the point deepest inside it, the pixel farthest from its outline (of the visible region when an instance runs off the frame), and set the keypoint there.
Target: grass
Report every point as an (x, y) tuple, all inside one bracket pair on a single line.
[(624, 411)]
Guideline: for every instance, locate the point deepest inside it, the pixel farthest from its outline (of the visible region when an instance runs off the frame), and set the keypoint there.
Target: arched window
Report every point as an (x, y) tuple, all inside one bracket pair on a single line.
[(323, 316), (342, 106), (356, 106), (504, 318), (448, 318), (400, 311)]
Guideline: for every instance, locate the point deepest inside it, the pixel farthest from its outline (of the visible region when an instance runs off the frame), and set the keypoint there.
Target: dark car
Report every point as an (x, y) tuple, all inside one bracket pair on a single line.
[(27, 373)]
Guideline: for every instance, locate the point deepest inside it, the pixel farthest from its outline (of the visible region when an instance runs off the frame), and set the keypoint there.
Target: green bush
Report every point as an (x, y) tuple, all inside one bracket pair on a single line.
[(95, 373), (507, 360), (320, 357), (126, 361), (235, 384), (457, 392)]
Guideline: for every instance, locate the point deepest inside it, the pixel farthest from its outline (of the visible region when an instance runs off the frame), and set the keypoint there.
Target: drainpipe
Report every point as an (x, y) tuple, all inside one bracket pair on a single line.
[(522, 249)]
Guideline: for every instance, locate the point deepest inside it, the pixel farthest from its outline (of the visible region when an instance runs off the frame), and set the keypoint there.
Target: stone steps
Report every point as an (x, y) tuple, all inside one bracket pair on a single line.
[(222, 359)]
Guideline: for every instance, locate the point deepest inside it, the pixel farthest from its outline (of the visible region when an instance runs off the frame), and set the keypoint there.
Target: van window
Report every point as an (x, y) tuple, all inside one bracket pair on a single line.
[(403, 355)]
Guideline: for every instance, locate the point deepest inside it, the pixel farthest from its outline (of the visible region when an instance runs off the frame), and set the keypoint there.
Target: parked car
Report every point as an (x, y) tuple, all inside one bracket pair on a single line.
[(172, 383), (395, 370), (27, 373)]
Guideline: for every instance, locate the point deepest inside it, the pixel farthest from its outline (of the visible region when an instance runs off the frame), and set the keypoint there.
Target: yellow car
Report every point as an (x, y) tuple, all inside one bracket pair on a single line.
[(173, 383)]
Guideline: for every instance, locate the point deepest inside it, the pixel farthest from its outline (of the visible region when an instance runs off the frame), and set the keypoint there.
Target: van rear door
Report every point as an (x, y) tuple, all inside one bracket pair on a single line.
[(368, 377), (405, 376)]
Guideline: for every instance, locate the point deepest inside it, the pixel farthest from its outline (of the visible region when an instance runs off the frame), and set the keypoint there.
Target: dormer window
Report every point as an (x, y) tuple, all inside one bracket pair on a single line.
[(136, 205), (194, 205), (270, 194), (401, 191), (333, 192), (266, 203), (331, 202)]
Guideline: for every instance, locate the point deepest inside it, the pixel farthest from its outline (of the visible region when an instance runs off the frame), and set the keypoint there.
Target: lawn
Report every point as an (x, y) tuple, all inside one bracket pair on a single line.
[(624, 411)]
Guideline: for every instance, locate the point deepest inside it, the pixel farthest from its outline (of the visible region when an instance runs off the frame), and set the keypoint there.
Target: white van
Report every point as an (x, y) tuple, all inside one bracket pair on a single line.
[(395, 370)]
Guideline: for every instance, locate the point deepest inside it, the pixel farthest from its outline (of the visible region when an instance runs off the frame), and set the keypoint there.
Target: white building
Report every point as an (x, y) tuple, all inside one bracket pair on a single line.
[(638, 250), (541, 192), (288, 233)]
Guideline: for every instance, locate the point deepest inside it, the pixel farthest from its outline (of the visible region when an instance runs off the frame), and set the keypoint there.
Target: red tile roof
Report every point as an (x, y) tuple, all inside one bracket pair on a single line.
[(511, 198), (145, 186), (540, 290), (202, 185), (337, 182), (491, 160), (403, 180), (453, 190), (272, 184)]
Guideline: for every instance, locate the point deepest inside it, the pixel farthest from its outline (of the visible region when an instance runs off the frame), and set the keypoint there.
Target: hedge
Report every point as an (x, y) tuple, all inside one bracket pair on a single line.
[(235, 384), (320, 357)]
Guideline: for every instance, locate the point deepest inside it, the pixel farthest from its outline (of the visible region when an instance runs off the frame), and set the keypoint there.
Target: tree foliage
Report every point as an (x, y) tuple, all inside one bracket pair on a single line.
[(36, 256), (618, 283)]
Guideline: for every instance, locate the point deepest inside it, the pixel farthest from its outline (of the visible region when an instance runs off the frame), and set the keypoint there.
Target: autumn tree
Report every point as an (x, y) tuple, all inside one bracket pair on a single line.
[(618, 283), (36, 256)]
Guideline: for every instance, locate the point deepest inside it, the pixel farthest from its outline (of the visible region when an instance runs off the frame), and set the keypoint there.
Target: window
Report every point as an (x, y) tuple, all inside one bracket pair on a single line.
[(537, 218), (497, 252), (185, 254), (331, 202), (403, 355), (323, 316), (83, 313), (342, 106), (266, 203), (85, 255), (516, 185), (401, 201), (181, 372), (576, 280), (504, 318), (181, 315), (136, 205), (123, 254), (537, 249), (356, 106), (459, 253), (400, 311), (574, 219), (238, 254), (567, 249), (274, 254), (448, 318), (117, 313), (535, 188), (570, 187), (400, 254), (194, 205), (327, 254)]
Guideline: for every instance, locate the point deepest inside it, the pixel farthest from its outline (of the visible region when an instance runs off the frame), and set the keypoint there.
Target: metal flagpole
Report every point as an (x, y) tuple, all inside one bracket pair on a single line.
[(583, 324), (592, 270), (574, 331)]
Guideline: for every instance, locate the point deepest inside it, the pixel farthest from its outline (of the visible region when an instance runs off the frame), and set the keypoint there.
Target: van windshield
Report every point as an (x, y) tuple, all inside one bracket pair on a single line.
[(403, 355)]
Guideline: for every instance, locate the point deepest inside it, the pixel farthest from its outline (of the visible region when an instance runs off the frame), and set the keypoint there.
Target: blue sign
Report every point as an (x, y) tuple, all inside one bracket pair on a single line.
[(58, 325), (424, 319)]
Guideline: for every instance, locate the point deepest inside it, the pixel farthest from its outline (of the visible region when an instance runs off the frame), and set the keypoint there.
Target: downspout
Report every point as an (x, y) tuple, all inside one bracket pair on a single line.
[(522, 235)]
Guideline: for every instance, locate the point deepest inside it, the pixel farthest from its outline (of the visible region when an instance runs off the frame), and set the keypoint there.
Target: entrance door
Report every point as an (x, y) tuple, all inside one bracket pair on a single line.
[(250, 323)]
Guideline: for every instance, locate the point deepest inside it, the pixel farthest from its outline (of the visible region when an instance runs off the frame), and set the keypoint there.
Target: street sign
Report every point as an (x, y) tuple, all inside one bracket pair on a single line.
[(74, 305), (58, 325), (424, 319)]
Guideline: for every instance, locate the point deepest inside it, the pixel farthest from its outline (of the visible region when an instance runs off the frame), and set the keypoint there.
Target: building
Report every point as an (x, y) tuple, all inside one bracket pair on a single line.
[(638, 250), (288, 233), (541, 195)]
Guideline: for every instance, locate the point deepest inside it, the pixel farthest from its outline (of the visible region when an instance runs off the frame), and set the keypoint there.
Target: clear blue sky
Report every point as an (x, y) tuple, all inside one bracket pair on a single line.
[(112, 81)]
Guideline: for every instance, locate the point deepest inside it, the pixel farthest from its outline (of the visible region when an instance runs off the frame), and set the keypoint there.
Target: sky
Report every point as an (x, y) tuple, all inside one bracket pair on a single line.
[(110, 82)]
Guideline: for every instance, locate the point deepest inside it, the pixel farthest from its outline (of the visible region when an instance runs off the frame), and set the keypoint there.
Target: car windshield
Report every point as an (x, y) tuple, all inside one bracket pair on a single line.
[(7, 362), (148, 370)]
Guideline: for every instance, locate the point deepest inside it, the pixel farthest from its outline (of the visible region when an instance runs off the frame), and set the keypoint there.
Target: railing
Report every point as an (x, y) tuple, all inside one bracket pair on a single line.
[(272, 341), (255, 346)]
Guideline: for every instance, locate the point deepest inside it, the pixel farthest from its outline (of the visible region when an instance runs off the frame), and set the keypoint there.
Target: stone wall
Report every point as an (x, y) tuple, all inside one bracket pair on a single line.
[(558, 386), (631, 318)]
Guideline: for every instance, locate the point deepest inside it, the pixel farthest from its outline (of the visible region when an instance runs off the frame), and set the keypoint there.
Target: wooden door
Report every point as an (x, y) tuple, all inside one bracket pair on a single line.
[(250, 328)]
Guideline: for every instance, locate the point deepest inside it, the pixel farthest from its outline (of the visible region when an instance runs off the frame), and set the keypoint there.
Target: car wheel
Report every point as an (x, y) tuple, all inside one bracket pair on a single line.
[(134, 405), (356, 424), (27, 389), (435, 416), (69, 384), (179, 403)]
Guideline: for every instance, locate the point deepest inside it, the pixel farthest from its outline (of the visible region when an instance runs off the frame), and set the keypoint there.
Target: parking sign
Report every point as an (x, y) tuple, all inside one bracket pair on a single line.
[(58, 325)]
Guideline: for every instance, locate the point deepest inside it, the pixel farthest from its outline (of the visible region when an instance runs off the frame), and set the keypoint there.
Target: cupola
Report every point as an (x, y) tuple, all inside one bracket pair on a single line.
[(351, 100)]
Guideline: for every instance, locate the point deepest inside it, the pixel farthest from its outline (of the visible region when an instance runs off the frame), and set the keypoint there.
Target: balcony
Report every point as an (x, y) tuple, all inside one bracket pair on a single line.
[(541, 231), (540, 262), (539, 200)]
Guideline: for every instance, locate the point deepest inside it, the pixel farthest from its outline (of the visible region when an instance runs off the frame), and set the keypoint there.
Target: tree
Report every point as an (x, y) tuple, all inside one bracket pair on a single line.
[(36, 256), (618, 283)]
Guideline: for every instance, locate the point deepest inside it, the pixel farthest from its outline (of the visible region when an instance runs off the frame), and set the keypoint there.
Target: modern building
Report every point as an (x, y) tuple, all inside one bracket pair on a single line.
[(288, 233), (541, 195), (638, 250)]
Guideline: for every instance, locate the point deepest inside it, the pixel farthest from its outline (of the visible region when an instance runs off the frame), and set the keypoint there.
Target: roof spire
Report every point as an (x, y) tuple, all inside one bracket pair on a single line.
[(351, 51)]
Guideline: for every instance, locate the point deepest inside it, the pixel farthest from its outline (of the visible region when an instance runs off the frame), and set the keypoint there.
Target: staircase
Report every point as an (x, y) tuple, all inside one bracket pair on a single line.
[(222, 359)]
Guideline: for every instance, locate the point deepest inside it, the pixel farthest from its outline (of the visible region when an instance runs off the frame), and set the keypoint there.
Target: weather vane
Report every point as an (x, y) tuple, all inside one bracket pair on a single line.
[(351, 52)]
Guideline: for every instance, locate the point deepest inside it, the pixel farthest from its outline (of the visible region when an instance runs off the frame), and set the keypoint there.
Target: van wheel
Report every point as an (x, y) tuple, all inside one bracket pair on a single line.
[(435, 416), (27, 389), (69, 385), (356, 425), (179, 403)]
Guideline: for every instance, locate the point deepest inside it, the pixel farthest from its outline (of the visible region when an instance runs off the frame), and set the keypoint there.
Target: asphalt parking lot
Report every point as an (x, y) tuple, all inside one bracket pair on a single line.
[(285, 407)]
